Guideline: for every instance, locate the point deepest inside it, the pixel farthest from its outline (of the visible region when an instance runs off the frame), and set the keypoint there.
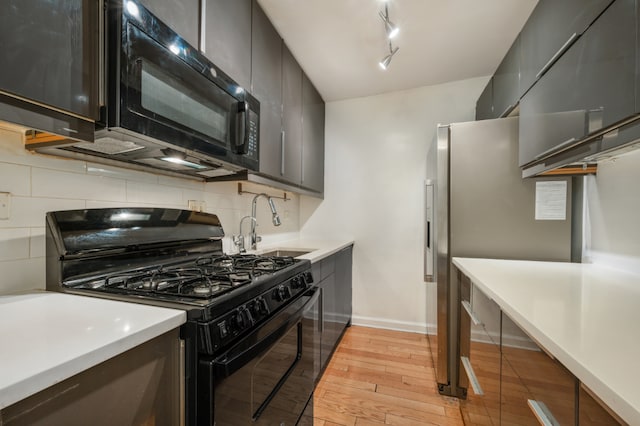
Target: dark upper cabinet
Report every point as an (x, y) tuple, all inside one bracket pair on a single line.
[(551, 28), (51, 56), (312, 137), (506, 82), (291, 149), (484, 105), (181, 16), (588, 88), (266, 86), (228, 37)]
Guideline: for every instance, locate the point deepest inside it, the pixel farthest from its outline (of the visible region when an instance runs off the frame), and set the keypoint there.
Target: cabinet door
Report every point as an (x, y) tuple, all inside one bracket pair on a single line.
[(227, 27), (480, 355), (291, 118), (484, 105), (266, 86), (506, 82), (329, 326), (586, 90), (536, 385), (312, 137), (51, 53), (552, 24), (181, 16), (593, 412), (343, 273)]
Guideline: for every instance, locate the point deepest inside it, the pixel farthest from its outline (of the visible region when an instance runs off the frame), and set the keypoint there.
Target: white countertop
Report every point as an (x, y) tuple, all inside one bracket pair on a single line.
[(48, 337), (318, 248), (585, 315)]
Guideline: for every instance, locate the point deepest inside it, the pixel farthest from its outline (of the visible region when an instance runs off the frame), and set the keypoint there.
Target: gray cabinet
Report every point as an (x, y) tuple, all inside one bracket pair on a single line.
[(506, 82), (484, 105), (541, 387), (312, 137), (138, 387), (228, 37), (334, 278), (291, 149), (51, 56), (480, 359), (593, 412), (266, 86), (551, 28), (587, 89), (181, 16)]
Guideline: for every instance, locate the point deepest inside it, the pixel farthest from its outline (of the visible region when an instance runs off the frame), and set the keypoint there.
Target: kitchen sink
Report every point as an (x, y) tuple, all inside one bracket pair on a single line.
[(285, 252)]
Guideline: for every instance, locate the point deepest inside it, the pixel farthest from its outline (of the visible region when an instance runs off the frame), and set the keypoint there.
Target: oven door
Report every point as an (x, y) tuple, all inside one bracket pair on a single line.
[(268, 377), (167, 99)]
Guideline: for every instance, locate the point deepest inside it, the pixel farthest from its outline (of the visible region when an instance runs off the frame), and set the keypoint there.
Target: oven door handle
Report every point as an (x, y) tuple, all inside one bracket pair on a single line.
[(248, 348)]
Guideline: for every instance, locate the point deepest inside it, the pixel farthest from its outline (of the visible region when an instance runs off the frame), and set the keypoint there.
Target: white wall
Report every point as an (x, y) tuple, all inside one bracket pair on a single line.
[(613, 206), (374, 174), (39, 183)]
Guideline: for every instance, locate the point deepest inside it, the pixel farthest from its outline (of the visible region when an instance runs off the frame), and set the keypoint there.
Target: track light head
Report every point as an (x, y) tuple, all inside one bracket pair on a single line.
[(391, 29), (384, 63)]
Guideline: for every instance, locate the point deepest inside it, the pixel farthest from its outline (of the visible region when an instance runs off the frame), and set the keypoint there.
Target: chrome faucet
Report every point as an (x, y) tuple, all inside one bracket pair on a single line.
[(275, 218), (238, 240)]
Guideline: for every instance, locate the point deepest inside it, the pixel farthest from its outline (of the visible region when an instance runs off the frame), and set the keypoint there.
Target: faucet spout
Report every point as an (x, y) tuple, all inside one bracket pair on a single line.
[(275, 217)]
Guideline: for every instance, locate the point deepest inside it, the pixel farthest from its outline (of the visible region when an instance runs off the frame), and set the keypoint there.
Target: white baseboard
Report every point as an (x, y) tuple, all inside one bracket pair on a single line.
[(387, 324)]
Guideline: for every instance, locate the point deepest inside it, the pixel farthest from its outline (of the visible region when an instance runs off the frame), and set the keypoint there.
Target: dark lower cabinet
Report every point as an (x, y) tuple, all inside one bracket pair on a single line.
[(510, 379), (333, 276), (480, 361), (593, 412), (537, 387), (138, 387)]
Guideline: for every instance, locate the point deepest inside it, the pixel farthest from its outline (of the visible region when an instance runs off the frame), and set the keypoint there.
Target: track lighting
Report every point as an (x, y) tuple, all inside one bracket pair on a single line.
[(384, 63), (389, 26), (391, 31)]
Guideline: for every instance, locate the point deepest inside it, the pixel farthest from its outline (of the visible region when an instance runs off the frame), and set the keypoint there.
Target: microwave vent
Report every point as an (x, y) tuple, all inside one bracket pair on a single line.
[(110, 146)]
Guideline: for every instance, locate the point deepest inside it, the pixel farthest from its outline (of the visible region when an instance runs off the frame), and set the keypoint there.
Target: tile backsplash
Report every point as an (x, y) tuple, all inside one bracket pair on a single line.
[(38, 184)]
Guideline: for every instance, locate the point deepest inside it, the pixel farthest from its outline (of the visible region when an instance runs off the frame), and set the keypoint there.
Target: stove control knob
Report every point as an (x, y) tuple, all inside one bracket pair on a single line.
[(259, 308), (308, 277), (286, 292), (243, 319), (297, 282), (240, 321), (263, 307)]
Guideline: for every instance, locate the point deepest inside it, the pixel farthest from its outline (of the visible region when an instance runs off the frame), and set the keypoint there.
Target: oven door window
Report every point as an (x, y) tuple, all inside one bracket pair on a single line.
[(163, 88)]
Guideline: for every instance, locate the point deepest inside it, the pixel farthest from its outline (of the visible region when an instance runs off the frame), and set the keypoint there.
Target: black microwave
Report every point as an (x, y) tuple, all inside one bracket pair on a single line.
[(168, 107)]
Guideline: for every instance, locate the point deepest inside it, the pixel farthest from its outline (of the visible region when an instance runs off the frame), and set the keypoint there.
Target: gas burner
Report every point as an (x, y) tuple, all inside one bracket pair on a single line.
[(239, 278), (206, 289)]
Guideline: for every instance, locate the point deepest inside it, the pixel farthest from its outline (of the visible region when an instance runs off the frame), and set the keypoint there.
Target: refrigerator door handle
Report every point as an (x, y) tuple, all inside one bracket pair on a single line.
[(429, 252)]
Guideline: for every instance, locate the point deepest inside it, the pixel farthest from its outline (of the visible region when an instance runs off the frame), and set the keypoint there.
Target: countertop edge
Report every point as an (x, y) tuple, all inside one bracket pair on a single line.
[(619, 405), (320, 248), (30, 385)]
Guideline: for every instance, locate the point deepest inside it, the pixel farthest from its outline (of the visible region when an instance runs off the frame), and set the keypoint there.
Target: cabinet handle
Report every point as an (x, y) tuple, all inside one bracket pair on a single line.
[(282, 153), (542, 413), (555, 149), (506, 111), (467, 307), (181, 384), (475, 385), (202, 42), (556, 55)]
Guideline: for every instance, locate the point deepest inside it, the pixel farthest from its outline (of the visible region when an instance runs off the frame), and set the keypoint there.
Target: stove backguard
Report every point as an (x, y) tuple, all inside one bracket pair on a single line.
[(81, 244)]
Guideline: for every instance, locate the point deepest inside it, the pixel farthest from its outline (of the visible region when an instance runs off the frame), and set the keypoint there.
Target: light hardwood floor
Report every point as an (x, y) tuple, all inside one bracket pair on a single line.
[(382, 377)]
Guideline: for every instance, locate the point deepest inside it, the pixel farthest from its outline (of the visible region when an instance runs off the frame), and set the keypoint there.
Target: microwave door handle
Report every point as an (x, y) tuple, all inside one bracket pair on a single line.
[(242, 124)]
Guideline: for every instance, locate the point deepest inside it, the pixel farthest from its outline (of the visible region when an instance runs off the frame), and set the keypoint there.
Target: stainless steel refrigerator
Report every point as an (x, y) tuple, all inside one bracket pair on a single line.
[(478, 205)]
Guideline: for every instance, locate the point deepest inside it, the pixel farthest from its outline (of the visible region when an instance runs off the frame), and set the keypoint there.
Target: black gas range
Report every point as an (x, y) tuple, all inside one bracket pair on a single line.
[(240, 308)]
